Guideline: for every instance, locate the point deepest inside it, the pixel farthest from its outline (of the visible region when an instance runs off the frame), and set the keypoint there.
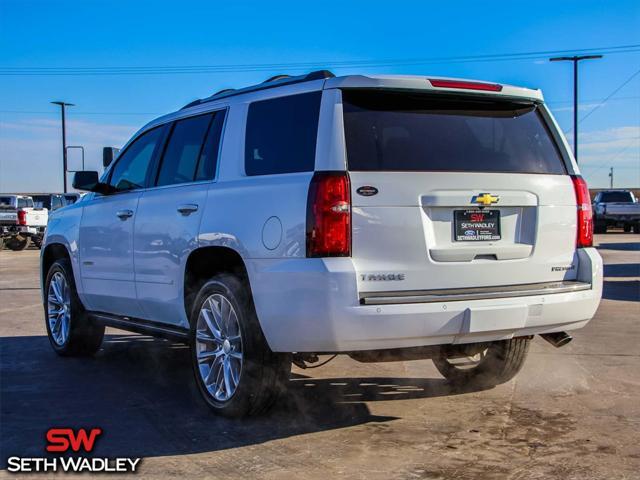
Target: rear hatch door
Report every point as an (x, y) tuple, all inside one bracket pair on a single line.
[(456, 192)]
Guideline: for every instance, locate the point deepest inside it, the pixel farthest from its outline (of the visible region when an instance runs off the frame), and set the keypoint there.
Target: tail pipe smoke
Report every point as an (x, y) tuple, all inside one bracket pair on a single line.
[(557, 339)]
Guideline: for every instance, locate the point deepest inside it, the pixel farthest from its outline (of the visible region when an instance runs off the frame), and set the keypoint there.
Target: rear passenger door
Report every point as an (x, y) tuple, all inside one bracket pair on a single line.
[(169, 215)]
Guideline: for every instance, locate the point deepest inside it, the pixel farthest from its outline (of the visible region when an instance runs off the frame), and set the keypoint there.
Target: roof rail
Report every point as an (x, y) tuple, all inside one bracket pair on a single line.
[(276, 77), (276, 81)]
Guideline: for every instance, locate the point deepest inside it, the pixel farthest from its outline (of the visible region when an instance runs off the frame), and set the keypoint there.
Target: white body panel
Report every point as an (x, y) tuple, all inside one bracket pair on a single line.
[(136, 267)]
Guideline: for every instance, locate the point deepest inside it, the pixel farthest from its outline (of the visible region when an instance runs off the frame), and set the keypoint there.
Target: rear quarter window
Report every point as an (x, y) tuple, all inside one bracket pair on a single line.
[(410, 132), (281, 134)]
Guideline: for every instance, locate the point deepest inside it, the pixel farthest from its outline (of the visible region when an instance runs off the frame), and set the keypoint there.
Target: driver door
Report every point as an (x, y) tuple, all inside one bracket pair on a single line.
[(106, 231)]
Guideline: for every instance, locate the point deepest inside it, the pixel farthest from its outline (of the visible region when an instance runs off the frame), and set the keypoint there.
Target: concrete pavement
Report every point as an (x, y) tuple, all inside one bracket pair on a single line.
[(571, 413)]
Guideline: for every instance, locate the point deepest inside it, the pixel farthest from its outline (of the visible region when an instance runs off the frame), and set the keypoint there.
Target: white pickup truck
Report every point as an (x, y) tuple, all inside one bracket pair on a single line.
[(616, 208), (21, 222)]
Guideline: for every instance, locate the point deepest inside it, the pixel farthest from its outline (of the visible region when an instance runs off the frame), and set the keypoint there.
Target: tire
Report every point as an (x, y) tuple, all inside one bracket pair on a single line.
[(260, 374), (1, 244), (499, 363), (599, 227), (18, 243), (72, 333), (636, 228), (626, 228)]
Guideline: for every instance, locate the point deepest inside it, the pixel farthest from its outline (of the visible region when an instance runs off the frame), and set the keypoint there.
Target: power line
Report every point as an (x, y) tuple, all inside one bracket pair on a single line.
[(233, 68), (609, 96)]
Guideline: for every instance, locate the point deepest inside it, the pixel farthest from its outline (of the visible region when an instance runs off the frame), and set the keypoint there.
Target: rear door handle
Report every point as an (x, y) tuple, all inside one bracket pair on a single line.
[(124, 214), (188, 209)]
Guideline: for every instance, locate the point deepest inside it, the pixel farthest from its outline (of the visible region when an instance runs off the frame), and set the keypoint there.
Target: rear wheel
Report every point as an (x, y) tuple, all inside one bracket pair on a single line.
[(636, 228), (236, 372), (18, 243), (626, 228), (491, 364), (70, 329)]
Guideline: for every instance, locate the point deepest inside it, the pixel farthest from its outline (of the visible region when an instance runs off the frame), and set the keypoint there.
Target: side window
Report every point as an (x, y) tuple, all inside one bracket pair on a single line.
[(183, 151), (56, 202), (281, 135), (130, 171), (208, 162)]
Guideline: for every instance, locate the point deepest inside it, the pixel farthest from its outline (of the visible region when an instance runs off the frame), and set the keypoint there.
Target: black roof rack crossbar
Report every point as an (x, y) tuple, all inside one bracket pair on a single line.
[(277, 81)]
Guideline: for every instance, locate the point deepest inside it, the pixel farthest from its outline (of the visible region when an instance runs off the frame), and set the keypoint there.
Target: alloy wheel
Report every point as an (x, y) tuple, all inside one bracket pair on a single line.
[(59, 308), (218, 347)]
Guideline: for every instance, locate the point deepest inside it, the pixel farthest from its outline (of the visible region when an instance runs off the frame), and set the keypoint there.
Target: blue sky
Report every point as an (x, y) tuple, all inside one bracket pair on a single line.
[(83, 34)]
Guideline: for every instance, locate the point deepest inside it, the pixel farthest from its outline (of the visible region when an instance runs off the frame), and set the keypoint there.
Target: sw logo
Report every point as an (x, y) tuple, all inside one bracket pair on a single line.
[(61, 439), (66, 440)]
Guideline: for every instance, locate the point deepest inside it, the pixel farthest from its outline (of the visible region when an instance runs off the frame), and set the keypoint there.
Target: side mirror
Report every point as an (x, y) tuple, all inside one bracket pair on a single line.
[(88, 181), (109, 154)]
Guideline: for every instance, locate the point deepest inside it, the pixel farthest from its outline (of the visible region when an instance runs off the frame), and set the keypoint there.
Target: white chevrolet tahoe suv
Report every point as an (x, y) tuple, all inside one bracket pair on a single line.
[(381, 217)]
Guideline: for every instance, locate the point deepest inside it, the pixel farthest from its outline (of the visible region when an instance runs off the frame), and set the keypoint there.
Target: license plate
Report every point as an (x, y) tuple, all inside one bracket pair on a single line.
[(476, 225)]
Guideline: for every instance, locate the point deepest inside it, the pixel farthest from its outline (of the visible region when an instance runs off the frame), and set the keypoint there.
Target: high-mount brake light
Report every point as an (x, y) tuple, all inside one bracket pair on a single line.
[(22, 217), (487, 87), (584, 237), (329, 215)]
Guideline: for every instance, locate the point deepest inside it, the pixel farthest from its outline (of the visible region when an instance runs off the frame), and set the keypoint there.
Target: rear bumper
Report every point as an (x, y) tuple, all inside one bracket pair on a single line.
[(312, 305)]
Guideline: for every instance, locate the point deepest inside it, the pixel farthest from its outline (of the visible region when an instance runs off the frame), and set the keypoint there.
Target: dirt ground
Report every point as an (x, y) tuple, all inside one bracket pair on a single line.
[(571, 413)]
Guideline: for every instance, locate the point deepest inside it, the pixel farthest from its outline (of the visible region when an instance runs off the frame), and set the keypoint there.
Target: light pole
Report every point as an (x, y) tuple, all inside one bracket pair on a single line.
[(64, 142), (575, 59)]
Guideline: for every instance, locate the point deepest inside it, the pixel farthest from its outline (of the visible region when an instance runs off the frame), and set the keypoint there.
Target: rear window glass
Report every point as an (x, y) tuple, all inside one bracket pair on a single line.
[(6, 202), (403, 132), (25, 202), (616, 197), (281, 134)]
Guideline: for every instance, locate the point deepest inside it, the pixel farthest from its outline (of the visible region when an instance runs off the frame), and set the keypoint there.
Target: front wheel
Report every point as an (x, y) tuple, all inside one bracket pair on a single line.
[(489, 365), (70, 329), (236, 372)]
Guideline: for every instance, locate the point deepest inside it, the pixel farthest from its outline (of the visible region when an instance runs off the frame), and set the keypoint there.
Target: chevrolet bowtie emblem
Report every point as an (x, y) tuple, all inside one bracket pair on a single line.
[(485, 199)]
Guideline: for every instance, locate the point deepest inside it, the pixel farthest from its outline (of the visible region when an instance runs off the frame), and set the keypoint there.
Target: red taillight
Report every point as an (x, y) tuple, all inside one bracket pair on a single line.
[(488, 87), (329, 215), (585, 215), (22, 217)]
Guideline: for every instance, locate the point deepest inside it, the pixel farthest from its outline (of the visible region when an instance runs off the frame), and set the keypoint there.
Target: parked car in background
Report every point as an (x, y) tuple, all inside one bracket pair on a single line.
[(616, 208), (54, 201), (386, 218), (21, 222)]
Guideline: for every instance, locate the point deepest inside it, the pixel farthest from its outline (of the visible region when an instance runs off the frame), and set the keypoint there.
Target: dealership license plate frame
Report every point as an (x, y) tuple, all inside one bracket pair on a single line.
[(480, 234)]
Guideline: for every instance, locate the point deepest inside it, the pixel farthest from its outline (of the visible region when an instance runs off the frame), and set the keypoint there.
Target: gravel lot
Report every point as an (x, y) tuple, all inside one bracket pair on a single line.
[(572, 413)]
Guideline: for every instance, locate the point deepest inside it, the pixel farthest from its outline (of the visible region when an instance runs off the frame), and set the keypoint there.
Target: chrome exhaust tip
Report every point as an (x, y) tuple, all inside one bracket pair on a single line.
[(557, 339)]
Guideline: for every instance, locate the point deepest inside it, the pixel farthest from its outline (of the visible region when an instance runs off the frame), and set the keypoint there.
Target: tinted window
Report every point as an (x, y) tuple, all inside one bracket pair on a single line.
[(45, 200), (208, 162), (56, 202), (403, 132), (25, 202), (281, 134), (180, 158), (616, 197), (6, 201), (71, 199), (130, 172)]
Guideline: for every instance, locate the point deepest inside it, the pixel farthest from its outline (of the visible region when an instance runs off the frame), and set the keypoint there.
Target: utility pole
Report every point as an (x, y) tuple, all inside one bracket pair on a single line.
[(575, 59), (611, 178), (64, 142)]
